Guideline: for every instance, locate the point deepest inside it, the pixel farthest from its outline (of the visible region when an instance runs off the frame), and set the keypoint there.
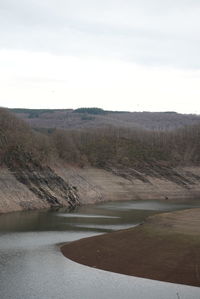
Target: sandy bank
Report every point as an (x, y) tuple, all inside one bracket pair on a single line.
[(166, 248)]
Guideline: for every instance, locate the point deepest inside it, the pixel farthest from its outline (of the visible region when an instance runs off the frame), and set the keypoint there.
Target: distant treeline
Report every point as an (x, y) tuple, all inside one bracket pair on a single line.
[(93, 110), (35, 113), (98, 147)]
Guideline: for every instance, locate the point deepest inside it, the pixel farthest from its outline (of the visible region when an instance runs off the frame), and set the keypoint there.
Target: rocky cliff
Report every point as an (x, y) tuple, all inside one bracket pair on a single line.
[(96, 185), (25, 184)]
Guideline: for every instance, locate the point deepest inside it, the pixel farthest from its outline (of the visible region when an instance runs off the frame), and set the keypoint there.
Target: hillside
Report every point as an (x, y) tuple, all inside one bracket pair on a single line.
[(55, 168), (79, 119), (26, 181)]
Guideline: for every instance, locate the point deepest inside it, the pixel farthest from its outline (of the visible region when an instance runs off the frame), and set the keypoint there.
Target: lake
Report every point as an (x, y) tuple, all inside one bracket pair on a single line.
[(32, 266)]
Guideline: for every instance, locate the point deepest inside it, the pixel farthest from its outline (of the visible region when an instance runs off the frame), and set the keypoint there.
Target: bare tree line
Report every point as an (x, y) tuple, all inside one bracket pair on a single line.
[(99, 146)]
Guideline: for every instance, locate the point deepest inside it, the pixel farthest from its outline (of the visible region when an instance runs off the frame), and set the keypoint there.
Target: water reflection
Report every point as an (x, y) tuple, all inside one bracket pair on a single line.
[(73, 215)]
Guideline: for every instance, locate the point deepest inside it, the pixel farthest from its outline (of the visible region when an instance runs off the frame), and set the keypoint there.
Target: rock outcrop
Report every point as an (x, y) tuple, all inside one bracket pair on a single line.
[(26, 184), (97, 185)]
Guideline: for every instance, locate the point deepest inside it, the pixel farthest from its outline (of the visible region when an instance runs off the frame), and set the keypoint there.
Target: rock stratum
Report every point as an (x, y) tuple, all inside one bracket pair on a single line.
[(26, 185)]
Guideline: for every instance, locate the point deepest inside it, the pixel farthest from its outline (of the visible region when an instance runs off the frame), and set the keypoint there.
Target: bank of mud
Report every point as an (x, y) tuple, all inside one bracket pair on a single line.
[(165, 248)]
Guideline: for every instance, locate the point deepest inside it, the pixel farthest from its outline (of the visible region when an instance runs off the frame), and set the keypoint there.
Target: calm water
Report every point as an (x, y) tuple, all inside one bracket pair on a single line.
[(31, 265)]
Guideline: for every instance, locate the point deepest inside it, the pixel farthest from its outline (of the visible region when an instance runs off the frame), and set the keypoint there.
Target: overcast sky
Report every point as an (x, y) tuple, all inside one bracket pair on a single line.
[(131, 55)]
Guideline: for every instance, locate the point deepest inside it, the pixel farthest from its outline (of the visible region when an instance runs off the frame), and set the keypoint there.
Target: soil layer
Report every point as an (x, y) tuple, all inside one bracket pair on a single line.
[(165, 248)]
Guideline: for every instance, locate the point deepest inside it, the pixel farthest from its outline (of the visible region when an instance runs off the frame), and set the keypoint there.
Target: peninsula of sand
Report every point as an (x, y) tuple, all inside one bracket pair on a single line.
[(166, 248)]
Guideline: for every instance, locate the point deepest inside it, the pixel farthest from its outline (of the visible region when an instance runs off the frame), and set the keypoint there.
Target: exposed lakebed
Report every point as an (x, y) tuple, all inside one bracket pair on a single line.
[(32, 266)]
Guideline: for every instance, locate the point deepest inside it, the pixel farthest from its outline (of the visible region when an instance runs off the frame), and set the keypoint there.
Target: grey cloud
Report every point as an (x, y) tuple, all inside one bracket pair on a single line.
[(148, 32)]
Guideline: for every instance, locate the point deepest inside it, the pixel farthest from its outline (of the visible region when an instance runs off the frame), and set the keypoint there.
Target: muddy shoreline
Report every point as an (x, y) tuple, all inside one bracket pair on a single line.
[(165, 248)]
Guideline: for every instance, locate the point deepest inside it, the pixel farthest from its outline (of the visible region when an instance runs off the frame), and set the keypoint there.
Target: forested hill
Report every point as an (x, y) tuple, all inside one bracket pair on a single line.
[(99, 146), (98, 118), (58, 167)]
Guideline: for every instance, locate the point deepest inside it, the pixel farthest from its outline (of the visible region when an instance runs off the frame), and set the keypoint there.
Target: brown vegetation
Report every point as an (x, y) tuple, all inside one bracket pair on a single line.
[(129, 148), (98, 118), (104, 147)]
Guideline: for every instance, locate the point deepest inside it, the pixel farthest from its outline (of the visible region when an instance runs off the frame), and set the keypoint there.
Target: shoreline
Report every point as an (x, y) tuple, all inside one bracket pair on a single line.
[(165, 248), (64, 185)]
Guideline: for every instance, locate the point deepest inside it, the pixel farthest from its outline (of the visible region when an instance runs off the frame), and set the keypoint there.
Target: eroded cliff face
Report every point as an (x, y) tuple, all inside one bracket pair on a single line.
[(27, 185), (97, 185)]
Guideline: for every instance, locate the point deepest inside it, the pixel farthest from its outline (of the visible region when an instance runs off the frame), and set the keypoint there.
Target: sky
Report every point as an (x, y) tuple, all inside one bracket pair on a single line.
[(132, 55)]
